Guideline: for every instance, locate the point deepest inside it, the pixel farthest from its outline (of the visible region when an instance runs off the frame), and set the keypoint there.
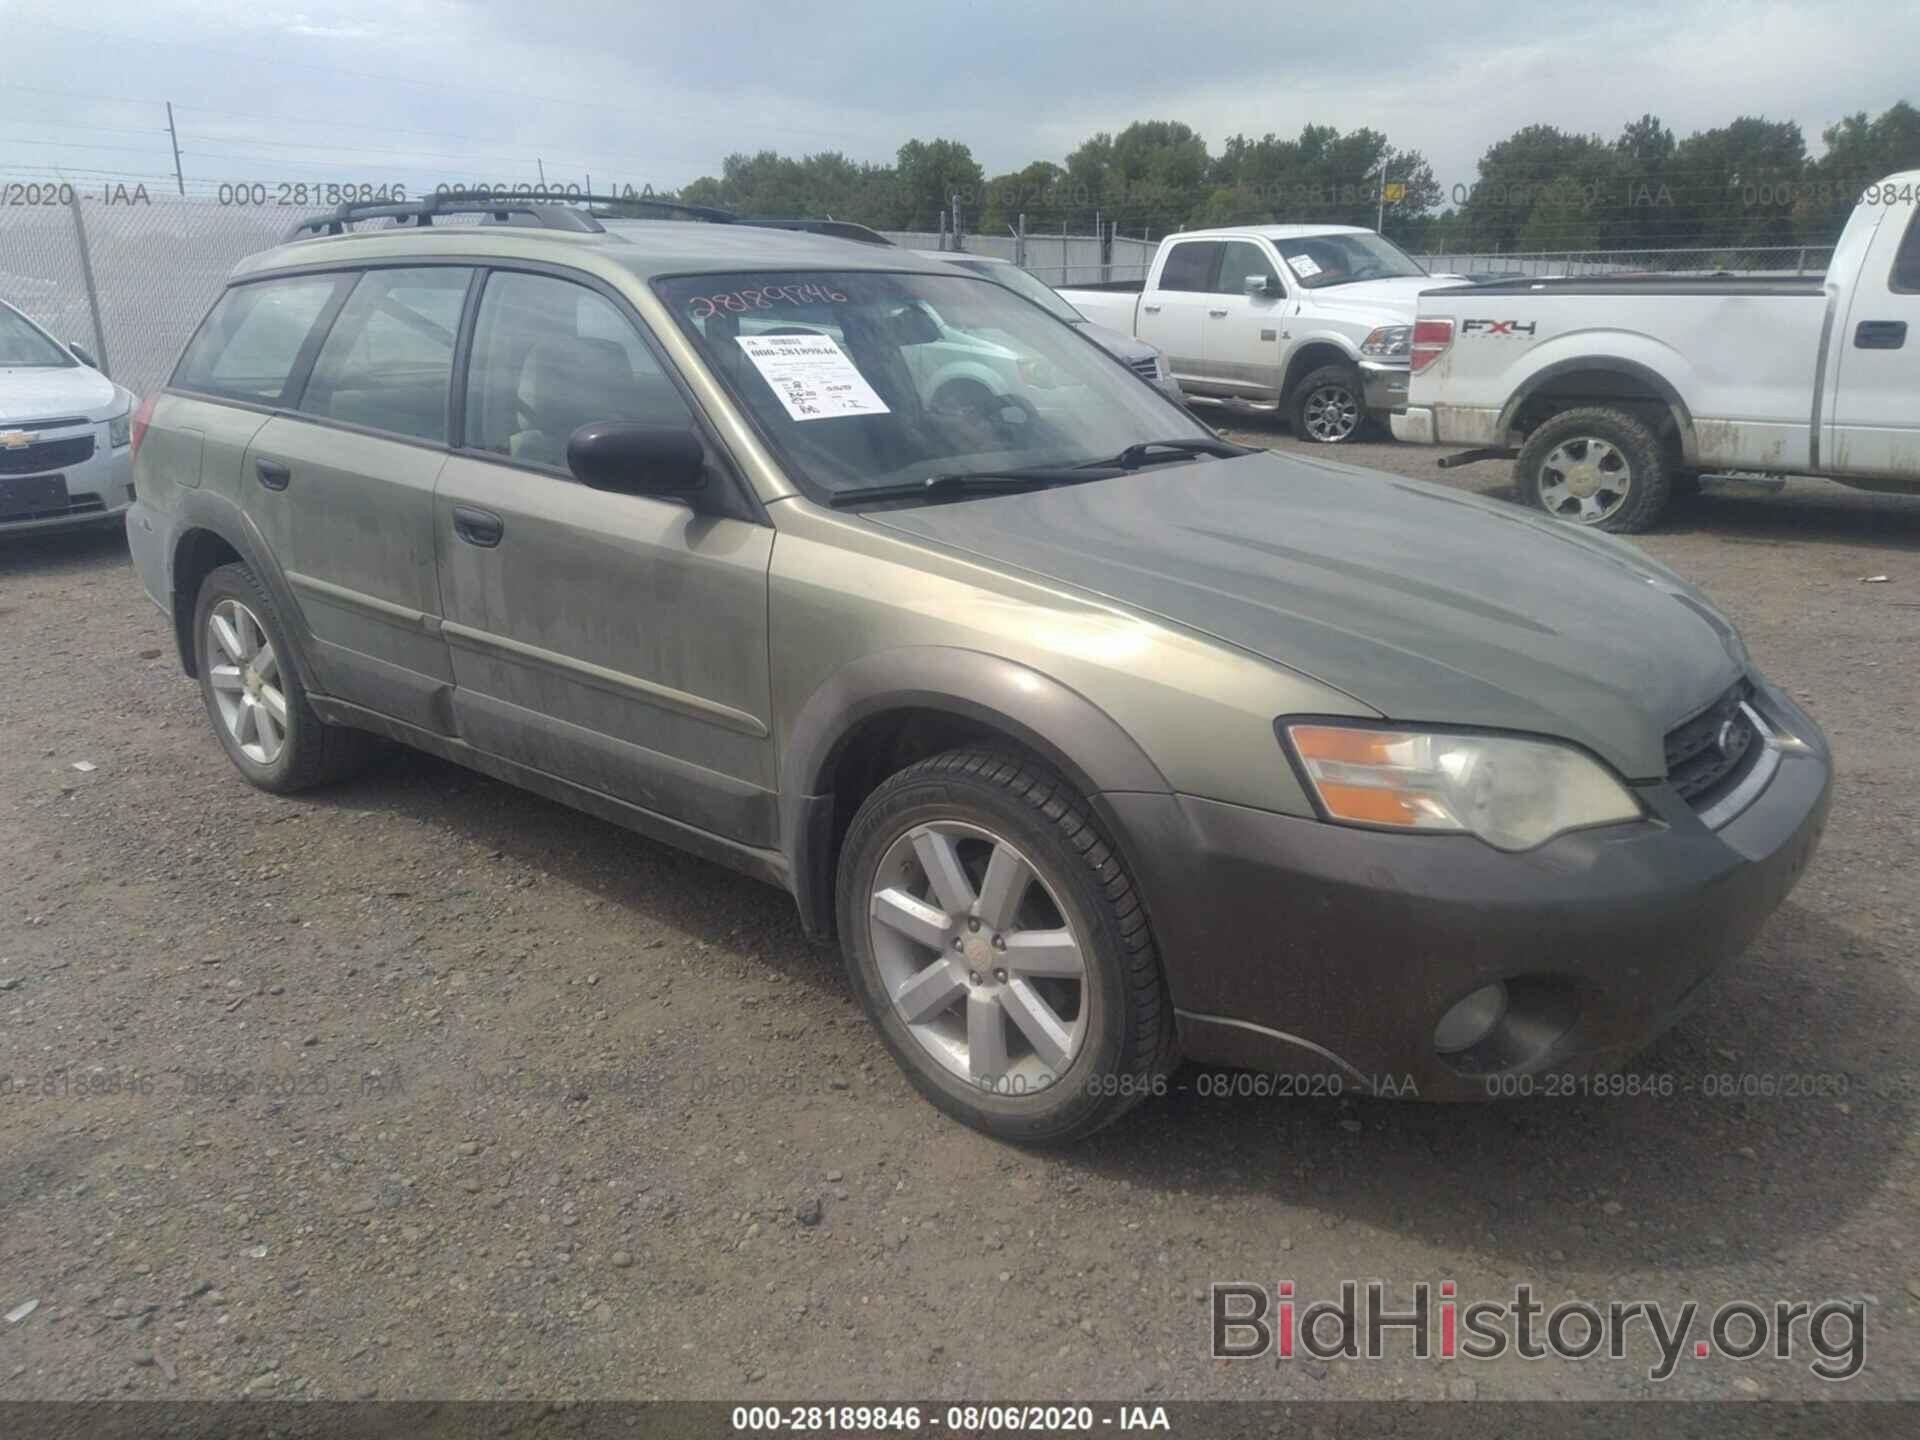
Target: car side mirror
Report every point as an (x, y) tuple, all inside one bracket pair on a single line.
[(629, 458), (1261, 285), (83, 355)]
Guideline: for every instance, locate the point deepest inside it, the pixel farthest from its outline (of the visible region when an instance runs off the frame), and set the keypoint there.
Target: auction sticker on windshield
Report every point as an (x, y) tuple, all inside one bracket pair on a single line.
[(812, 376), (1304, 266)]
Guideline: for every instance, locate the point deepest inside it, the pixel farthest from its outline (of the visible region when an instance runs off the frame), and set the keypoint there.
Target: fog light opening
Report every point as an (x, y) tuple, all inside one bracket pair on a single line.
[(1472, 1020)]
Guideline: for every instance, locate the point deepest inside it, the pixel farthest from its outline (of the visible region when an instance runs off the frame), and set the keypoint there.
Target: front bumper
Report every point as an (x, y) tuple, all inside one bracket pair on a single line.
[(99, 488), (1383, 385), (1303, 947)]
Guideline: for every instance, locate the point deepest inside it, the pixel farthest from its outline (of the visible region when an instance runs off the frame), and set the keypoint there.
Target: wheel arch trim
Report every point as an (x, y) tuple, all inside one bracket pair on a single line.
[(1662, 387), (200, 510), (1057, 723)]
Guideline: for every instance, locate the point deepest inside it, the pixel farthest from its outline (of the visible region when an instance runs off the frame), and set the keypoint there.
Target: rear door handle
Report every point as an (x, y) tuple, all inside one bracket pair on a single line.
[(478, 527), (1216, 312), (1880, 335), (272, 473)]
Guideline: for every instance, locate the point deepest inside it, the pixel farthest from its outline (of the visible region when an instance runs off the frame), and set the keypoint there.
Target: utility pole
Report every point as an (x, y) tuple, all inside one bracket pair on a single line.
[(174, 136), (543, 172)]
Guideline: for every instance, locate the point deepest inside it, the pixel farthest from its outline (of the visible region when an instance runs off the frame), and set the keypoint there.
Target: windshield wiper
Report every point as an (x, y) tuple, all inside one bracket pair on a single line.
[(974, 482), (1135, 456)]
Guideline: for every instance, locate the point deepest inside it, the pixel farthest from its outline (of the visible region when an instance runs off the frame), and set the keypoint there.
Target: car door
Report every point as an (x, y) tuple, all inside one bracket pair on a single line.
[(1173, 313), (615, 641), (1241, 342), (1876, 423), (342, 487)]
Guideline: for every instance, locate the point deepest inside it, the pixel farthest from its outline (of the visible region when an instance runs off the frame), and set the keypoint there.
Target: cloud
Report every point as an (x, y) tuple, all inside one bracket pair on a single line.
[(459, 89)]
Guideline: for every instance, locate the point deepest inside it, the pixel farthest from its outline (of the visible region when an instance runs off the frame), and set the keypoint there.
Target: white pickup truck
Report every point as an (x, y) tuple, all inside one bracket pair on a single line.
[(1315, 320), (1616, 392)]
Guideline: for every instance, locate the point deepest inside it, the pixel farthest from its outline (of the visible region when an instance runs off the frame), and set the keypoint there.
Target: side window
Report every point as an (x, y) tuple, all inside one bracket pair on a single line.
[(1905, 279), (1190, 266), (250, 343), (388, 360), (550, 356), (1239, 259)]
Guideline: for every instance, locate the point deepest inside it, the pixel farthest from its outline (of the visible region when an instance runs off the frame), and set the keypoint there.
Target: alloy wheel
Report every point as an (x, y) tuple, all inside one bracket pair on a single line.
[(245, 675), (1584, 479), (979, 958), (1332, 413)]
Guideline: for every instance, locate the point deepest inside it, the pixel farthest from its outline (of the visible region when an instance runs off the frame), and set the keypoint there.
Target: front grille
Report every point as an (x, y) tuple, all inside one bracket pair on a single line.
[(1147, 369), (59, 424), (1711, 753), (46, 455)]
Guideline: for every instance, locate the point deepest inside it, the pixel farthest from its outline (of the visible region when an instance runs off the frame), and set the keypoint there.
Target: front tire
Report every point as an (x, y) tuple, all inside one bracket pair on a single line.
[(1329, 405), (1598, 467), (994, 937), (254, 697)]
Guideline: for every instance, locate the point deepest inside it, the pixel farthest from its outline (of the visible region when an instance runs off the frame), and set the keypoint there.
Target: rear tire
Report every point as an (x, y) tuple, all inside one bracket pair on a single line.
[(1329, 406), (1597, 467), (254, 697), (954, 1000)]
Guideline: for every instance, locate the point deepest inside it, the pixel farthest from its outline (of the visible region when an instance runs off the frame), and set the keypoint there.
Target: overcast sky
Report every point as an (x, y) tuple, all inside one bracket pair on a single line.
[(462, 90)]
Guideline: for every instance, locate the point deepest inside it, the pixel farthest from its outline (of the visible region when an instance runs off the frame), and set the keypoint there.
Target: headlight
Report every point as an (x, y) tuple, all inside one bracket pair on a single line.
[(1389, 342), (1513, 794), (119, 428)]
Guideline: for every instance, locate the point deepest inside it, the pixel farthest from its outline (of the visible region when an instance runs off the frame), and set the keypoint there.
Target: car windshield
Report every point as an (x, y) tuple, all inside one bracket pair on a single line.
[(23, 344), (1022, 283), (1320, 261), (862, 379)]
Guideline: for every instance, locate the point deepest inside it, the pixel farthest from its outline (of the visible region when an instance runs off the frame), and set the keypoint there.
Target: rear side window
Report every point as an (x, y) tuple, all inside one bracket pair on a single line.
[(1190, 266), (550, 356), (1906, 261), (388, 359), (1238, 260), (251, 342)]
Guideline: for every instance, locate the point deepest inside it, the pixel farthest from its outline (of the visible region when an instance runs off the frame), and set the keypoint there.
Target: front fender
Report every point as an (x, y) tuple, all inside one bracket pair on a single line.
[(1062, 726)]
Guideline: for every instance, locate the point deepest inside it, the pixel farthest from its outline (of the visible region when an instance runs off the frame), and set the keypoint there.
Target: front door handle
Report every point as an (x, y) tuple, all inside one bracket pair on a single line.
[(1216, 313), (1151, 309), (478, 527), (1880, 335), (272, 473)]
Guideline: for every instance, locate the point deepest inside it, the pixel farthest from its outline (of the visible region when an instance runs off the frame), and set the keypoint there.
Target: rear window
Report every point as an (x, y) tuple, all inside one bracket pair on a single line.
[(1190, 266), (251, 342)]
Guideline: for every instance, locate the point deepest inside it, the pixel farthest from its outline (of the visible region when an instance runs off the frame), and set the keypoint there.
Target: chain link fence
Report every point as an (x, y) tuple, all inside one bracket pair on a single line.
[(131, 281)]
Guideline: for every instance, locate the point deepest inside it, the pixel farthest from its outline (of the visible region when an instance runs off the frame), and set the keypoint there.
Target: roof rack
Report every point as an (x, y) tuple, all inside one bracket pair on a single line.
[(543, 212), (840, 229)]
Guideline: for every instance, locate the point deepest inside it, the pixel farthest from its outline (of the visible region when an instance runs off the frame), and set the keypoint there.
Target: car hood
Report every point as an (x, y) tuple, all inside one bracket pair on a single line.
[(1117, 343), (1420, 602), (1393, 299), (32, 392)]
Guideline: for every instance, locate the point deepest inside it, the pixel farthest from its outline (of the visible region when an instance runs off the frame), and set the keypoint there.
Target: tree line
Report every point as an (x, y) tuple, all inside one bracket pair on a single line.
[(1751, 182)]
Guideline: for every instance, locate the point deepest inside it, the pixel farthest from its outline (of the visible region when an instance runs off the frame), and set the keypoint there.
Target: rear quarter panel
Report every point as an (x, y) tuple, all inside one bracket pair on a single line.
[(1743, 366)]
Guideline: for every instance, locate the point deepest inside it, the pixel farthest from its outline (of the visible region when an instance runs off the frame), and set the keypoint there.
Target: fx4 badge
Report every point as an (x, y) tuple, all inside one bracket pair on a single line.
[(1497, 327)]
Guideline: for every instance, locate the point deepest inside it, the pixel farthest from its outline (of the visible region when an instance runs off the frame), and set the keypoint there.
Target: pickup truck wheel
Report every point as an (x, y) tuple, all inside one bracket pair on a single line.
[(994, 937), (1329, 405), (1596, 466)]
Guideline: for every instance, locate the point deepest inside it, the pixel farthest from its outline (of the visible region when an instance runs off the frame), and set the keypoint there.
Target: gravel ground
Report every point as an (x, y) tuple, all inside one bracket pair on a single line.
[(422, 1086)]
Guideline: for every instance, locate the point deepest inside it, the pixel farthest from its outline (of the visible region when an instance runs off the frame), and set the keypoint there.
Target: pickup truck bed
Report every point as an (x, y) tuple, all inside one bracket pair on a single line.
[(1610, 390)]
